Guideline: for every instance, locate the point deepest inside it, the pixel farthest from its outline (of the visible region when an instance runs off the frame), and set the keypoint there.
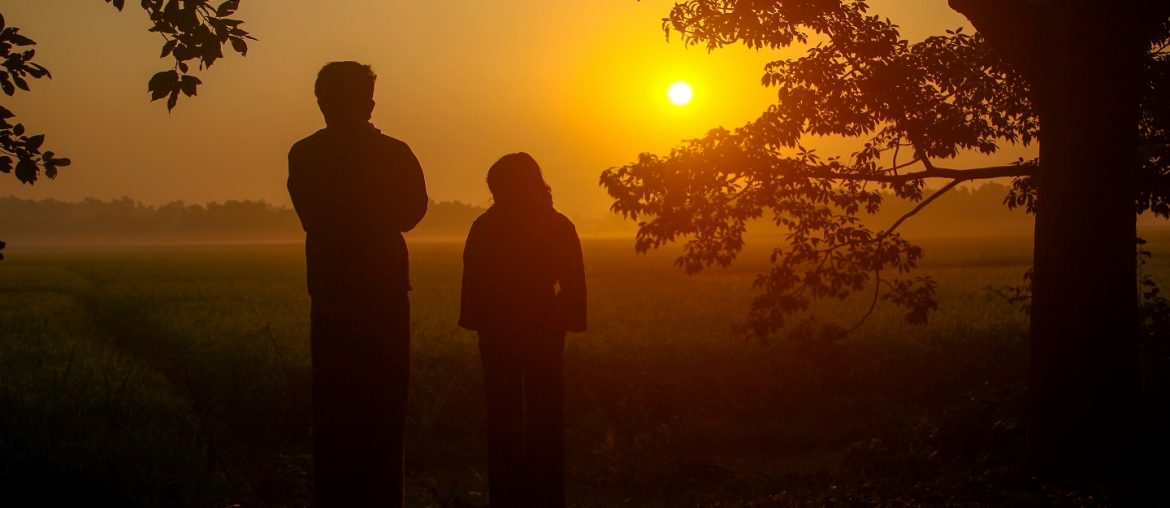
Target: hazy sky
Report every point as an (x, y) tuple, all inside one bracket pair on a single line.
[(580, 84)]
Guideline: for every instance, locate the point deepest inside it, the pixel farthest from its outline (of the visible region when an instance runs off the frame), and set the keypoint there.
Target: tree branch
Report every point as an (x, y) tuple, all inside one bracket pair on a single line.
[(958, 175), (877, 286), (918, 208)]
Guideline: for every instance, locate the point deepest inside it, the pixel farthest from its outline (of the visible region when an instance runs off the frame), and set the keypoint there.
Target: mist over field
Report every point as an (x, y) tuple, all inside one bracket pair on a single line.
[(965, 211)]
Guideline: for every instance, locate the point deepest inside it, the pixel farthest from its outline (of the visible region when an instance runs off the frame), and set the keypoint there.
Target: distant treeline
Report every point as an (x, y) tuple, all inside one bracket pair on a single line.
[(965, 211), (125, 221)]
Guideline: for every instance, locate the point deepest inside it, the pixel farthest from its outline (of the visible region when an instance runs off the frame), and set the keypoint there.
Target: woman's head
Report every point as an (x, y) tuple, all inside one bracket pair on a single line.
[(516, 181)]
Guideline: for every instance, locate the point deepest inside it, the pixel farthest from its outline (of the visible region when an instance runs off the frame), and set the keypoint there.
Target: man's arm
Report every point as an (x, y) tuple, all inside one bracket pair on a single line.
[(301, 190), (412, 205)]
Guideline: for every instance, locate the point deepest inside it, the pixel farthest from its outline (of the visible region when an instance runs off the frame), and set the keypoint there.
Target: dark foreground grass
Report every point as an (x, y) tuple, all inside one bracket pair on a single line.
[(180, 377)]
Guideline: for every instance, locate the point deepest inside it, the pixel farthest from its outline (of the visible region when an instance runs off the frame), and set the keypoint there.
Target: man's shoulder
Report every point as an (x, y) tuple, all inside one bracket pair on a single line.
[(308, 143), (391, 143), (324, 140)]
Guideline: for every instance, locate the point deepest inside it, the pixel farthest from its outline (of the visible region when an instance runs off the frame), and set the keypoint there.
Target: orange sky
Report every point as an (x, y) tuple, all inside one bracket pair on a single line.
[(580, 84)]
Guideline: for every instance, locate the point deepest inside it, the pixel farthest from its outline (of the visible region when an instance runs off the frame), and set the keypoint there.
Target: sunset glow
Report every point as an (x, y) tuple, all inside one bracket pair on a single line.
[(680, 93), (596, 92)]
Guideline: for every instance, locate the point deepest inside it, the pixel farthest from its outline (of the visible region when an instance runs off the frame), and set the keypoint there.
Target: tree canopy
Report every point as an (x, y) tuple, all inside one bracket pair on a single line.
[(909, 106), (194, 35)]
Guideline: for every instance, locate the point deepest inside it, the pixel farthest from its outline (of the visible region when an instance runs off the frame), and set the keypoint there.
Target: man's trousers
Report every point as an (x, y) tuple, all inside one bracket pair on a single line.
[(361, 380)]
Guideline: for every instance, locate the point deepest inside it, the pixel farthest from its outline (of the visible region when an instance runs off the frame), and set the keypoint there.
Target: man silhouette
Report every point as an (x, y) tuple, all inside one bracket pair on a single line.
[(356, 191)]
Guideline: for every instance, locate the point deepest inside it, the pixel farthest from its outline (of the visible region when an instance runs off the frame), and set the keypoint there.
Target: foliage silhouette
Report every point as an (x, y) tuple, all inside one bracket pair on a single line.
[(193, 32), (15, 142), (1081, 69), (933, 99)]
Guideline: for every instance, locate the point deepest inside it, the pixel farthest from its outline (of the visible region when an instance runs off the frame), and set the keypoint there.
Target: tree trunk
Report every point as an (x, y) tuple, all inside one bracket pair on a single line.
[(1085, 369), (1083, 61)]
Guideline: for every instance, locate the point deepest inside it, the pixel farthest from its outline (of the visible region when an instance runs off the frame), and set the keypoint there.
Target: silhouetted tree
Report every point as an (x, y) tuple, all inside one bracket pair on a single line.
[(1072, 73), (193, 32)]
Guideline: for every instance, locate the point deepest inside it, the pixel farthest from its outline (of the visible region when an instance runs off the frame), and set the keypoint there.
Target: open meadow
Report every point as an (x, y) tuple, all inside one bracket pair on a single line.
[(180, 377)]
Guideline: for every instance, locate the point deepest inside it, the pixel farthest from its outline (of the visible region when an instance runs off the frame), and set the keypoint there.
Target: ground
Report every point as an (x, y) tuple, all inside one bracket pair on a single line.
[(179, 376)]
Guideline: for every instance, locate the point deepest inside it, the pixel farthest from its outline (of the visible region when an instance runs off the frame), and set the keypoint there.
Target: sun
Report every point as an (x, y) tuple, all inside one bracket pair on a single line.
[(680, 93)]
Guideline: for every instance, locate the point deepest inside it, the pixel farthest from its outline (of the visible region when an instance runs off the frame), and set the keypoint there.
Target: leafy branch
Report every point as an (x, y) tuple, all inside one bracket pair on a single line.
[(192, 31), (910, 104), (20, 152)]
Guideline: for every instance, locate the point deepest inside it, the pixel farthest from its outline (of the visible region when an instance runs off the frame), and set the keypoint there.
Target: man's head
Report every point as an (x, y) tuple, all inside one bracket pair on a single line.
[(345, 92)]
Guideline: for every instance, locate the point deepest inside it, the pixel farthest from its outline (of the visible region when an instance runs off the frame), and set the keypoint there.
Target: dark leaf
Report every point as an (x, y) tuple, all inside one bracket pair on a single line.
[(35, 142), (211, 53), (184, 52), (163, 27), (163, 79), (188, 85), (5, 164), (20, 40), (162, 83), (168, 47), (174, 99), (240, 46), (26, 171), (227, 8), (38, 71)]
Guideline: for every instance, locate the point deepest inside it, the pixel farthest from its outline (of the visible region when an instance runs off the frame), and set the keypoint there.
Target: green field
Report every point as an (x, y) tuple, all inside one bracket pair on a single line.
[(180, 377)]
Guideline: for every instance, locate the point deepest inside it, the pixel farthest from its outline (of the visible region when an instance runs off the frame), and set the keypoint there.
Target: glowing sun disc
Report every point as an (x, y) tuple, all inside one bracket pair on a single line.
[(680, 93)]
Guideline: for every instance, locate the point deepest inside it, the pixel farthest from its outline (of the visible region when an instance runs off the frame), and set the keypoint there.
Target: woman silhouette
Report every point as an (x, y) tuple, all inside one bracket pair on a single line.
[(523, 288)]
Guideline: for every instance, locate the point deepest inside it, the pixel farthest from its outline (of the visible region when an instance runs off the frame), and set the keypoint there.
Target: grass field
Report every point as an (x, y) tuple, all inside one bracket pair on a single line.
[(180, 377)]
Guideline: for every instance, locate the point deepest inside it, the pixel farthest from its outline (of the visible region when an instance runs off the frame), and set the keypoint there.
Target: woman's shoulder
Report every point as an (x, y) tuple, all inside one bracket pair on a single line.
[(496, 216), (489, 220), (562, 221), (487, 216)]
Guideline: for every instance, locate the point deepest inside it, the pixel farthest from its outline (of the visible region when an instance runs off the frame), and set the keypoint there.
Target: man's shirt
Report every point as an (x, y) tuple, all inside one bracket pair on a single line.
[(356, 191)]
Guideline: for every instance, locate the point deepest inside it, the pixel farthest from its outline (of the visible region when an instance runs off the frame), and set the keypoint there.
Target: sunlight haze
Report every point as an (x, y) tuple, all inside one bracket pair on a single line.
[(579, 84)]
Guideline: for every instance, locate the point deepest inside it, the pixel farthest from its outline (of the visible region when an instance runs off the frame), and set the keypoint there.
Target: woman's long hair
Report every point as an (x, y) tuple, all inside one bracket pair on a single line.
[(516, 182)]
